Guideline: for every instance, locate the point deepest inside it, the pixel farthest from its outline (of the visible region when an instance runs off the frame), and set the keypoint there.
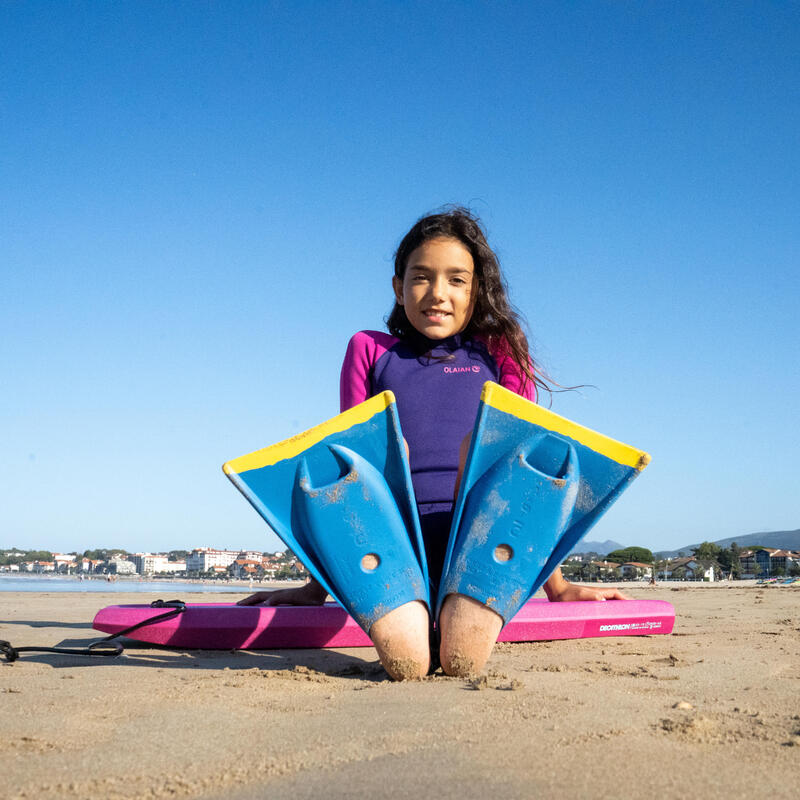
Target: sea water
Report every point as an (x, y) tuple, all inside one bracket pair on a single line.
[(37, 583)]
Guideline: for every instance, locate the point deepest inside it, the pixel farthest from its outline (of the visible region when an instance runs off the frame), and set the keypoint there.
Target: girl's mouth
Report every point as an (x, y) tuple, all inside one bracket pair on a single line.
[(436, 315)]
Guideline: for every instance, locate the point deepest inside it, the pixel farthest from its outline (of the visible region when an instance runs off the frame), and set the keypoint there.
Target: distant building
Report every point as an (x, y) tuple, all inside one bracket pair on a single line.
[(268, 567), (765, 561), (251, 555), (64, 562), (206, 559), (690, 568), (144, 562), (636, 569), (245, 568), (156, 564), (121, 566)]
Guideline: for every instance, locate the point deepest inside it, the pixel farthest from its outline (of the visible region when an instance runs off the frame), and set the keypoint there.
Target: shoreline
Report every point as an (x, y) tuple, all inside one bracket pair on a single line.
[(97, 584), (272, 583), (612, 716), (133, 579)]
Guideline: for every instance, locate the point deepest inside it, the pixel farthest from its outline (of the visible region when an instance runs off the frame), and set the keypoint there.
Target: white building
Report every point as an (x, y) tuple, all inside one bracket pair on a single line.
[(147, 563), (121, 566), (155, 564), (636, 569), (687, 567), (144, 562), (205, 559)]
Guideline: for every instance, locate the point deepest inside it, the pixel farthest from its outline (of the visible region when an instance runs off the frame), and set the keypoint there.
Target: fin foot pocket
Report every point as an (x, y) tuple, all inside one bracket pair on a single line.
[(513, 517), (355, 533)]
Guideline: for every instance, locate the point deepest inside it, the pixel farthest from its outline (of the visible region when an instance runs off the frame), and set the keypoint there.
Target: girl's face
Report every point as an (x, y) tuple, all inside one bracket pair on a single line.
[(438, 290)]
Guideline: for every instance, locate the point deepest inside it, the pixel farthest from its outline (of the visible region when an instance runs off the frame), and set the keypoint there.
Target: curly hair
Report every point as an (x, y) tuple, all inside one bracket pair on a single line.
[(493, 318)]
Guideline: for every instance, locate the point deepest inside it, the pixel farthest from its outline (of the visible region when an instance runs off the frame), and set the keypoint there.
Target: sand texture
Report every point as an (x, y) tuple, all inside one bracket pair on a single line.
[(711, 711)]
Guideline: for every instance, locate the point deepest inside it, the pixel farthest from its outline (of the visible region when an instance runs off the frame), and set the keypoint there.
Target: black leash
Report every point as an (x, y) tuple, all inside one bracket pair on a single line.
[(103, 647)]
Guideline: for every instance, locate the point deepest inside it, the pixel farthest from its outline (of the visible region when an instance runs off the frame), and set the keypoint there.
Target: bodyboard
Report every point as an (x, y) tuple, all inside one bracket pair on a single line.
[(226, 626)]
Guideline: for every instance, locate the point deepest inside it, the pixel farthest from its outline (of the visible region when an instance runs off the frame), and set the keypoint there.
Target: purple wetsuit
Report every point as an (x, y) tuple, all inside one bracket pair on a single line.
[(437, 401)]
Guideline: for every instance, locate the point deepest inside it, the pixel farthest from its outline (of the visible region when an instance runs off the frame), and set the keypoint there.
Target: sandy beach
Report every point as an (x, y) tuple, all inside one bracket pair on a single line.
[(712, 710)]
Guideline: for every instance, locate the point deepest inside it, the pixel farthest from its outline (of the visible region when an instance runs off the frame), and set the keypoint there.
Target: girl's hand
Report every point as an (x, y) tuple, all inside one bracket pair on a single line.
[(571, 592), (311, 594), (559, 590)]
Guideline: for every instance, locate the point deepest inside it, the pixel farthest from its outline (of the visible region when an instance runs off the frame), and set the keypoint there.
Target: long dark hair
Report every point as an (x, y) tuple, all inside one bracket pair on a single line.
[(494, 318)]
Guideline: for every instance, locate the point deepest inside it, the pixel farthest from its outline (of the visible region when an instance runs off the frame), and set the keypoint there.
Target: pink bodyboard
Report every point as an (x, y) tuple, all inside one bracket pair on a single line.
[(225, 626)]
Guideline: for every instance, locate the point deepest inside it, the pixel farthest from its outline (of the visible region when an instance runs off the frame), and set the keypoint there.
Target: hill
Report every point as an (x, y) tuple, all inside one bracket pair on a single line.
[(785, 540), (601, 548)]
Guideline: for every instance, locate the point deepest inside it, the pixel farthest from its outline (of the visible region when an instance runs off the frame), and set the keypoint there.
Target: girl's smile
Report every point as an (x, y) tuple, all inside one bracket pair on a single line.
[(437, 290)]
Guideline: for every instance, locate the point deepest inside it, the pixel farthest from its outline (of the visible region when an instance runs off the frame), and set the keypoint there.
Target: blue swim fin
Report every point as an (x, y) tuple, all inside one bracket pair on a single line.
[(533, 485), (339, 495)]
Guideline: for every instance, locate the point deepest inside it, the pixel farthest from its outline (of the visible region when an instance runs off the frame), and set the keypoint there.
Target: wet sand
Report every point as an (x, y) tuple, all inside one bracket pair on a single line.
[(712, 710)]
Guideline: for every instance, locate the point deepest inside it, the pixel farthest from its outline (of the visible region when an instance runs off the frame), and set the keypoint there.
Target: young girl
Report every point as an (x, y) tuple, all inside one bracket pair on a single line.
[(451, 330)]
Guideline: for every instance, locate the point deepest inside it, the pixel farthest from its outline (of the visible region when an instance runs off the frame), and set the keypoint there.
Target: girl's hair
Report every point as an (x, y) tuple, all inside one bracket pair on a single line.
[(493, 318)]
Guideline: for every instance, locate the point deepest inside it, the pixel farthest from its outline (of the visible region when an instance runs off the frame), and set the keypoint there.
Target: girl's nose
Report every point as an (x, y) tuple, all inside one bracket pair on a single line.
[(439, 288)]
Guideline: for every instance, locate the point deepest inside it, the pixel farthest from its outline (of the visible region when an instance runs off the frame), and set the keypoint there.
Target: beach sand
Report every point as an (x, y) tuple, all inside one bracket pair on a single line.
[(575, 719)]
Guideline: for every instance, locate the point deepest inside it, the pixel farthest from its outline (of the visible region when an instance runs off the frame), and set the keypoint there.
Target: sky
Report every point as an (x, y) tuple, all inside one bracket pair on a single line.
[(199, 205)]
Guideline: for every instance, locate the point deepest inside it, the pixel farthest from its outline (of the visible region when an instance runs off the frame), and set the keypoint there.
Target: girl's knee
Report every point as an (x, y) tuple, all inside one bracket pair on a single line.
[(402, 641), (468, 630)]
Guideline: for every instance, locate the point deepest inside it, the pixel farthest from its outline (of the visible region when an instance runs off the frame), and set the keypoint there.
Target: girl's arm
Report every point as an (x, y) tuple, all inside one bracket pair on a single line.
[(355, 380), (512, 376)]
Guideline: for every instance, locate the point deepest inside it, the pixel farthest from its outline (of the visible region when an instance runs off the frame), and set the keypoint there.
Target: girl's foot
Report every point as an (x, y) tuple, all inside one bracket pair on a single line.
[(469, 630), (401, 639)]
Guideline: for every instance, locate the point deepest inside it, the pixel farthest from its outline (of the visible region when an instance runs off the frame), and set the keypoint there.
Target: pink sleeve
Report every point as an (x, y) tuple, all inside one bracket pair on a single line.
[(355, 381), (511, 375)]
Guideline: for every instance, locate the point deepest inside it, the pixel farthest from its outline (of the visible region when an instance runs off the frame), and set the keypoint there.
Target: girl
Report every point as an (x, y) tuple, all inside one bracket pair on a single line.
[(451, 329)]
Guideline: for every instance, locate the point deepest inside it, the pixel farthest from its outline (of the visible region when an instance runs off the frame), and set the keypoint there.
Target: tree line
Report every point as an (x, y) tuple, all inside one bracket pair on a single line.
[(727, 559), (16, 556)]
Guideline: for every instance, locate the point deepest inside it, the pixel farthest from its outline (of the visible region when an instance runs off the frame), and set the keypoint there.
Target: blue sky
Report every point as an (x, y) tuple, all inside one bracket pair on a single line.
[(199, 203)]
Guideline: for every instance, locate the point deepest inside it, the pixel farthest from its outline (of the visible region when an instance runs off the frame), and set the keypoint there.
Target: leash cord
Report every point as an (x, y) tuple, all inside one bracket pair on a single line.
[(102, 647)]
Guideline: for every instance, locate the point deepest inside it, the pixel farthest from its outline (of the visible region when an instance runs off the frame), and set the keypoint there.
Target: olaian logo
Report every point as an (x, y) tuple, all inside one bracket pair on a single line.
[(455, 370)]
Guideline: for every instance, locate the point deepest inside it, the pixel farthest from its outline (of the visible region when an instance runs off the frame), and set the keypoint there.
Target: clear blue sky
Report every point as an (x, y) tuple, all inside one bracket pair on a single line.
[(199, 203)]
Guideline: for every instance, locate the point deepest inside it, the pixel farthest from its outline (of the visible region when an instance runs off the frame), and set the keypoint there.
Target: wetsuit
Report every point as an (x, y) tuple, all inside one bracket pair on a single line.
[(437, 401)]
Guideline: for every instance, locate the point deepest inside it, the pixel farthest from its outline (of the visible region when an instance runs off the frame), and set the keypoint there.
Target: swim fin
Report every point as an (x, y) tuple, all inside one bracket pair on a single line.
[(533, 484), (339, 495)]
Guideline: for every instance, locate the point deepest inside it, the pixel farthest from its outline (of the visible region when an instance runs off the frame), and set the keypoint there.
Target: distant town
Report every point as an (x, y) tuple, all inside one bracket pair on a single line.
[(202, 562), (707, 562)]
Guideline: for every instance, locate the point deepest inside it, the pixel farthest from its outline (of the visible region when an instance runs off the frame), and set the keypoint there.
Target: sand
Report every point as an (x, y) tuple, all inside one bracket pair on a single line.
[(712, 711)]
